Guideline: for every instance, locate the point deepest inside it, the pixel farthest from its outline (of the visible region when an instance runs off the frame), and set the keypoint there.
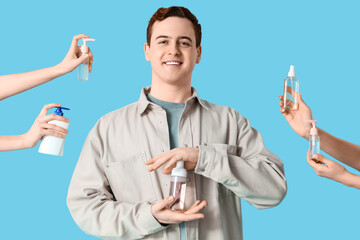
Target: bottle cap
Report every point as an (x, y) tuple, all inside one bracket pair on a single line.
[(292, 71), (313, 130), (179, 170), (59, 112), (84, 48)]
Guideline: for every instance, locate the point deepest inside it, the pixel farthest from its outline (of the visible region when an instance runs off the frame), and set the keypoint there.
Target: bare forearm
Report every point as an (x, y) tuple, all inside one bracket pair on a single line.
[(16, 83), (341, 150), (351, 180), (14, 142)]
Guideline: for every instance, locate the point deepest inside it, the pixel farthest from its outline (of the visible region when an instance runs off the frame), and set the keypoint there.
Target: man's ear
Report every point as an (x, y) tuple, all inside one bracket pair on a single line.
[(198, 58), (146, 51)]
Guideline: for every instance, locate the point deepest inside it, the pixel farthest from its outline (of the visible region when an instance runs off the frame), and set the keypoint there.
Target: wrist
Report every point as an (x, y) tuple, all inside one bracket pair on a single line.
[(59, 70), (25, 141), (347, 179)]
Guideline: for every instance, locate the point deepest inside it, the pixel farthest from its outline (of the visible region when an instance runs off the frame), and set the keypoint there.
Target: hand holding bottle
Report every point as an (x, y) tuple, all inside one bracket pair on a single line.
[(297, 119), (165, 215), (190, 156), (73, 59), (41, 127), (327, 168)]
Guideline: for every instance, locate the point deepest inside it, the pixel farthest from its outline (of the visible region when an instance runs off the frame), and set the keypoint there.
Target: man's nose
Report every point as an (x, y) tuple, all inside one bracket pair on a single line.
[(173, 49)]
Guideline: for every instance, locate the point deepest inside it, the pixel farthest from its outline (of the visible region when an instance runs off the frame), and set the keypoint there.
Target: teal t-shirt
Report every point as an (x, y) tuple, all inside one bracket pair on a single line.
[(173, 114)]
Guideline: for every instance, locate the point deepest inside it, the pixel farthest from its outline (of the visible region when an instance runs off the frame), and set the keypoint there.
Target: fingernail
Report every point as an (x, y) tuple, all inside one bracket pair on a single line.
[(171, 198), (315, 156)]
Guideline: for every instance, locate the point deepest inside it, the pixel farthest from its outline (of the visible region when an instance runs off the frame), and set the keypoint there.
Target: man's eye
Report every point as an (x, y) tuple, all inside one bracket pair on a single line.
[(185, 43), (162, 42)]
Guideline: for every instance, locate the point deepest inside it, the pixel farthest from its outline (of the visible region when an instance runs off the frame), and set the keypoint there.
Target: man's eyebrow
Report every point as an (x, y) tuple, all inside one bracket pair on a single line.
[(181, 37), (161, 36), (185, 37)]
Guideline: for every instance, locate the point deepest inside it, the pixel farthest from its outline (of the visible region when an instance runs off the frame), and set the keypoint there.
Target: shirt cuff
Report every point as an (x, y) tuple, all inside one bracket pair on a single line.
[(150, 222), (205, 161)]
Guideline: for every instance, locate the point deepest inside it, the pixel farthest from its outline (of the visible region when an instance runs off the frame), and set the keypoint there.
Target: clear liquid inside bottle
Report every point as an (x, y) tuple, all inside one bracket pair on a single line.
[(314, 142), (84, 71), (291, 91)]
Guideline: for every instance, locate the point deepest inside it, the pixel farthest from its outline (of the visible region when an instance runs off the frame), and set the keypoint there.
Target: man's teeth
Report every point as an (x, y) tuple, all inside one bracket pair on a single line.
[(172, 63)]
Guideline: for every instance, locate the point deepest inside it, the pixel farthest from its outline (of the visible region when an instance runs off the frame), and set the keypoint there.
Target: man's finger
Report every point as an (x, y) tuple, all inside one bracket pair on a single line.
[(196, 207), (171, 163), (191, 217), (160, 205), (159, 163)]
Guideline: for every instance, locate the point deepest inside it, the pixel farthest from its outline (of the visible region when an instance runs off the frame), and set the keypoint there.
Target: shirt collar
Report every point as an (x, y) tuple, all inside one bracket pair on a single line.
[(143, 102)]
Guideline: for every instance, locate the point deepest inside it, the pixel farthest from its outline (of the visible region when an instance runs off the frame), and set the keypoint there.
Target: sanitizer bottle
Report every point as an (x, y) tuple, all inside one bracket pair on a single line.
[(314, 140), (84, 67), (178, 186), (54, 145), (291, 90)]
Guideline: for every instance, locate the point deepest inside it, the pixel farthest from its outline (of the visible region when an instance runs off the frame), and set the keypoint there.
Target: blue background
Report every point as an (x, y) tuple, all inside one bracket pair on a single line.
[(247, 49)]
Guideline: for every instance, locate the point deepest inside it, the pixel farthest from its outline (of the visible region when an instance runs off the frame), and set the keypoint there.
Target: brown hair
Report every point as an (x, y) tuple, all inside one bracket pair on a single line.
[(163, 13)]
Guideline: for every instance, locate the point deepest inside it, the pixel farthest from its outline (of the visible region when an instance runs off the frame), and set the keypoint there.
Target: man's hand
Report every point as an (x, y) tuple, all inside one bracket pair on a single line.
[(41, 127), (165, 215), (327, 168), (297, 119), (189, 155), (73, 59)]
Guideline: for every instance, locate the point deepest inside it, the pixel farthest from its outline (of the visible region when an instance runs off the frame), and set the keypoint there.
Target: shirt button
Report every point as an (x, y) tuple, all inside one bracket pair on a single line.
[(185, 145), (203, 169), (205, 144), (160, 122), (143, 153), (162, 150)]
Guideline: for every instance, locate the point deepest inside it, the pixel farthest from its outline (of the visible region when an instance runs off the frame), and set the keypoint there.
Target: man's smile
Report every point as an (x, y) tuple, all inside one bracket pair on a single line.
[(173, 63)]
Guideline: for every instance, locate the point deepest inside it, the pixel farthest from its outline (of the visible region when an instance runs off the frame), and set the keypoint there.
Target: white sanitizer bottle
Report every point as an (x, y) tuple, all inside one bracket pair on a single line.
[(84, 67), (54, 145)]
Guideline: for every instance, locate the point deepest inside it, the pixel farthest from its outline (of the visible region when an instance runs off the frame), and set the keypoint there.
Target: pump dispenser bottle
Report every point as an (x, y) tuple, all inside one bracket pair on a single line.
[(54, 145), (84, 67), (314, 140), (291, 90), (178, 186)]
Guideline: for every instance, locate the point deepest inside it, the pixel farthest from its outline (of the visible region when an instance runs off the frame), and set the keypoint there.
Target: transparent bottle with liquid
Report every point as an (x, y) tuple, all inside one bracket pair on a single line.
[(84, 67), (291, 90), (314, 140), (178, 186)]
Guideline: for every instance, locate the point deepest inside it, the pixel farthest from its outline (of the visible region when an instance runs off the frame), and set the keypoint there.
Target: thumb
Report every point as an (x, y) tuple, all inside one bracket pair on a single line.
[(160, 205), (81, 59), (320, 158)]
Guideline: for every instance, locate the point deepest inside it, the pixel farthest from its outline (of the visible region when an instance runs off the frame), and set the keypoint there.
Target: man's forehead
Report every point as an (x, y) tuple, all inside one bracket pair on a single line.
[(173, 27)]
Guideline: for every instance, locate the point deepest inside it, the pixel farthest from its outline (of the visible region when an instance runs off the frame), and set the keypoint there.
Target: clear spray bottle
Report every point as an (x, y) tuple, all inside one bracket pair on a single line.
[(84, 67), (178, 186), (53, 145), (291, 90), (314, 140)]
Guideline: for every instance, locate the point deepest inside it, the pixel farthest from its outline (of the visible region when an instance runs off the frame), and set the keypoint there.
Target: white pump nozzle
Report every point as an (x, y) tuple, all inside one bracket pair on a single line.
[(292, 71), (179, 170), (84, 48), (313, 130)]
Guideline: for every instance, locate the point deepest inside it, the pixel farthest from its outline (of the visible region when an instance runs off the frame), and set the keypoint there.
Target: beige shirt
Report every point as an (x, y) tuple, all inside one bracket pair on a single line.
[(111, 191)]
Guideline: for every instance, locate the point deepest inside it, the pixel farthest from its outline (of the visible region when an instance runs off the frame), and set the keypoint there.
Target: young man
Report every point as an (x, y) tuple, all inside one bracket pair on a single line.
[(120, 186)]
